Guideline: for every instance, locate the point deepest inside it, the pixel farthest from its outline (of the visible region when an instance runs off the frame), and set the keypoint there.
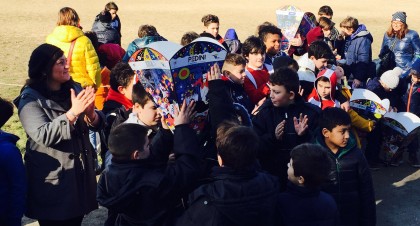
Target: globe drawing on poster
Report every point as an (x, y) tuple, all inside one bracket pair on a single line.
[(189, 67), (152, 70)]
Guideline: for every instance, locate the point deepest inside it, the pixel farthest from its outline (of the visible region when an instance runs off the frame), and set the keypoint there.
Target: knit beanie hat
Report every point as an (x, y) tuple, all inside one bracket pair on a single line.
[(391, 78), (399, 16), (105, 17), (42, 59)]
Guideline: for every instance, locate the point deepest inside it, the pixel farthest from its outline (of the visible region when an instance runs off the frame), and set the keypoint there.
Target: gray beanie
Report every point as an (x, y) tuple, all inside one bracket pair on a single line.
[(399, 16)]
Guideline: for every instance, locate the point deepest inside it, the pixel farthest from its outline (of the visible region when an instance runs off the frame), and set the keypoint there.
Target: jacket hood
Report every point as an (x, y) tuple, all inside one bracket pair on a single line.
[(8, 137), (67, 33), (361, 31), (332, 77), (305, 63), (231, 34)]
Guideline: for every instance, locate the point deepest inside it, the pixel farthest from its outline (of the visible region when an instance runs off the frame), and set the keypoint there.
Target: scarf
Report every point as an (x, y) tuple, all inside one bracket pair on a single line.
[(118, 97)]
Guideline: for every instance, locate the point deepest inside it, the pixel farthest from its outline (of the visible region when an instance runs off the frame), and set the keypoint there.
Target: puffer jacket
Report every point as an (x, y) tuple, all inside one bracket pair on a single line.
[(140, 43), (350, 184), (105, 32), (84, 66), (358, 53), (406, 50)]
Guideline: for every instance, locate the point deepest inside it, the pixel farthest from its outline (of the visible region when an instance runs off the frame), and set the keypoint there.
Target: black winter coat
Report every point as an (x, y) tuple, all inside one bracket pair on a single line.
[(350, 184), (275, 154), (233, 198), (105, 33), (301, 206), (145, 192)]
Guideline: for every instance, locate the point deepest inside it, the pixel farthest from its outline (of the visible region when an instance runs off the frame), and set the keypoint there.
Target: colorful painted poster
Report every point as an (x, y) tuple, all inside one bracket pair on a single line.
[(398, 130), (152, 70), (308, 22), (288, 19), (368, 104), (189, 67)]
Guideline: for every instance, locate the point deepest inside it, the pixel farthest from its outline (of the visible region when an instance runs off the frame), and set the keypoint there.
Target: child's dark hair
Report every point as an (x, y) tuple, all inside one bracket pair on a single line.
[(237, 145), (325, 10), (188, 37), (253, 45), (269, 29), (94, 39), (325, 23), (125, 139), (285, 61), (111, 5), (147, 30), (209, 18), (286, 77), (121, 75), (140, 95), (320, 49), (311, 161), (235, 59), (333, 117), (261, 26), (6, 109)]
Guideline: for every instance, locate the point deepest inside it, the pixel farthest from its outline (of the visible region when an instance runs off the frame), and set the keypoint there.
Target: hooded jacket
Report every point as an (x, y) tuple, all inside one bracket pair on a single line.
[(12, 181), (146, 191), (274, 154), (350, 184), (233, 198), (232, 41), (58, 159), (315, 99), (84, 66), (138, 44), (105, 32), (358, 53), (406, 50)]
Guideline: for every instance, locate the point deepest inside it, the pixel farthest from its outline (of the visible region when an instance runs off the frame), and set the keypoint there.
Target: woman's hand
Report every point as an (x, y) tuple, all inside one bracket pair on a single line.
[(82, 103)]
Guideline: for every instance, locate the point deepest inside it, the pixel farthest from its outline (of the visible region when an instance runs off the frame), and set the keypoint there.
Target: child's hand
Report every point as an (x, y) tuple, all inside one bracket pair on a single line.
[(301, 126), (162, 119), (214, 73), (301, 91), (345, 106), (280, 130), (184, 115)]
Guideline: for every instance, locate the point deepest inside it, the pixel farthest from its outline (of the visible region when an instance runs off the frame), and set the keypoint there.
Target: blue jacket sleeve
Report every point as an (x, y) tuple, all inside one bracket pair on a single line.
[(361, 68), (416, 46)]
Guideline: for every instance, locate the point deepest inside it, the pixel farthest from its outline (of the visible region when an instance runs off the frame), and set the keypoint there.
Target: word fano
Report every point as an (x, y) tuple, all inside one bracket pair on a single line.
[(197, 58)]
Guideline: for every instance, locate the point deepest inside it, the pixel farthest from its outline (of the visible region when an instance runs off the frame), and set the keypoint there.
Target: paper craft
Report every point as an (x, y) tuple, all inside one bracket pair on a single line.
[(368, 104)]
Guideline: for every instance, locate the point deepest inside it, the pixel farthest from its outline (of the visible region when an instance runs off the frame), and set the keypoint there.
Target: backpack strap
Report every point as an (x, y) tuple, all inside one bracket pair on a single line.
[(69, 56)]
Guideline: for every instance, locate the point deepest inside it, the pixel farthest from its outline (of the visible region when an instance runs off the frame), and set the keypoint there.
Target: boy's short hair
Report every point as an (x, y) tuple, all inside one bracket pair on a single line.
[(235, 59), (333, 117), (111, 5), (6, 109), (285, 77), (350, 22), (325, 10), (325, 23), (125, 139), (140, 95), (121, 75), (285, 61), (311, 161), (253, 44), (269, 29), (147, 30), (188, 37), (320, 49), (261, 26), (209, 18), (237, 145)]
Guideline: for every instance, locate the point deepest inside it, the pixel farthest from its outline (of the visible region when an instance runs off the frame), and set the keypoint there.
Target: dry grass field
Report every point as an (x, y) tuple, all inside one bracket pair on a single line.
[(26, 23)]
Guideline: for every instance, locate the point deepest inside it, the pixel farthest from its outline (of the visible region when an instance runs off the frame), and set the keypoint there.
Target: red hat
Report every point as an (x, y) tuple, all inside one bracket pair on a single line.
[(314, 34)]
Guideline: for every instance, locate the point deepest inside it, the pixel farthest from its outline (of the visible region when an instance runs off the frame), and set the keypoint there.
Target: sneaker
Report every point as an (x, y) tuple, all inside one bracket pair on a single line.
[(413, 160)]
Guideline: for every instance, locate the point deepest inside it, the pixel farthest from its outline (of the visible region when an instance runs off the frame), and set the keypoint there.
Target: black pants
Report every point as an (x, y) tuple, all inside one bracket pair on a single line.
[(77, 221)]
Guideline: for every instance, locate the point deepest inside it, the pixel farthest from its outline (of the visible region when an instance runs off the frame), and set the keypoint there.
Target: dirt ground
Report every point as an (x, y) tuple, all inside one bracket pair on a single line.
[(26, 23)]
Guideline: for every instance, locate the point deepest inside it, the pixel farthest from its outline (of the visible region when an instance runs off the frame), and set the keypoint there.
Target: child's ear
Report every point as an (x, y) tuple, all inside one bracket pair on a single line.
[(301, 180), (135, 155), (220, 160), (120, 89), (292, 95), (325, 132), (312, 58), (226, 73)]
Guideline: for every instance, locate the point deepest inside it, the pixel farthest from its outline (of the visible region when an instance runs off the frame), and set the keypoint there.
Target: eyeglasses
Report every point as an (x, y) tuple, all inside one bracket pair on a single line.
[(61, 62)]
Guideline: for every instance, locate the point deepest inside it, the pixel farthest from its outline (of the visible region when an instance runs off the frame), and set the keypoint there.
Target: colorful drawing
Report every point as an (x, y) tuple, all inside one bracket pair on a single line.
[(288, 19), (368, 104), (308, 22), (398, 130), (152, 70), (189, 67)]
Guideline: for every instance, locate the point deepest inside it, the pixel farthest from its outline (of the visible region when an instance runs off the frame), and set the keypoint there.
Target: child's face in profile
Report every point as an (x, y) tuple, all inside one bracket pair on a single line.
[(320, 63), (237, 74), (291, 174), (272, 43), (213, 29), (113, 13), (280, 96), (338, 137), (255, 59), (323, 89), (148, 114)]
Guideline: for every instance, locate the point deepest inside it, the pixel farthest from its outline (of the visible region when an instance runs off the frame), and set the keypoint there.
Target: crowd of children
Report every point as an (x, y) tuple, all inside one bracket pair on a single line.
[(282, 146)]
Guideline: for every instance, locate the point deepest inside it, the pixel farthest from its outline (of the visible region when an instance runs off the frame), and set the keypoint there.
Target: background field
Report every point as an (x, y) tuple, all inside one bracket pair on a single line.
[(26, 23)]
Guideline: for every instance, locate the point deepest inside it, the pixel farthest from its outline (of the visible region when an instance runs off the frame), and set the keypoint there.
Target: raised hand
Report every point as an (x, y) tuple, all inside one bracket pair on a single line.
[(301, 125), (280, 130), (90, 109), (213, 73), (82, 101), (184, 115), (345, 106), (162, 119)]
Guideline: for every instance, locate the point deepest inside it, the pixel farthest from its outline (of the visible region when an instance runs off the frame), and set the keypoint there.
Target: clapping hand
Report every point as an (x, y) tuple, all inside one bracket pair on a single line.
[(280, 130), (301, 125)]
